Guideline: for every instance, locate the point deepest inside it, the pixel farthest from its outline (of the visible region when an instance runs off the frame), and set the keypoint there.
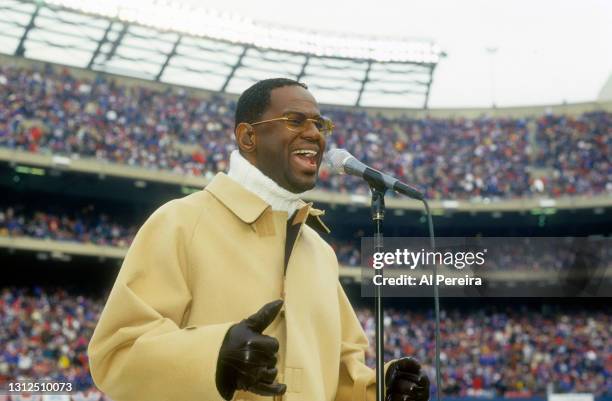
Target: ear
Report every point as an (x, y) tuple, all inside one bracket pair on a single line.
[(246, 138)]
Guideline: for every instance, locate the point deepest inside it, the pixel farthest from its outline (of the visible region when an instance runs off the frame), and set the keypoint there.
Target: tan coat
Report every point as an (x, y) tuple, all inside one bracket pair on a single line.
[(204, 262)]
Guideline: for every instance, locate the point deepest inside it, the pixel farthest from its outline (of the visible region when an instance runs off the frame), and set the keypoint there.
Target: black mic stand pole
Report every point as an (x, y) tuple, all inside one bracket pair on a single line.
[(378, 215)]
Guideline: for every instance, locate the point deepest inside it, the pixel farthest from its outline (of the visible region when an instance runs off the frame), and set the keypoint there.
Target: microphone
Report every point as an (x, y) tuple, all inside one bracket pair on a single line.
[(340, 161)]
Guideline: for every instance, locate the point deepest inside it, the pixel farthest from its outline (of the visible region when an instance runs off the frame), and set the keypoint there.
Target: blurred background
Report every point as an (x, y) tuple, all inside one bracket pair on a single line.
[(500, 111)]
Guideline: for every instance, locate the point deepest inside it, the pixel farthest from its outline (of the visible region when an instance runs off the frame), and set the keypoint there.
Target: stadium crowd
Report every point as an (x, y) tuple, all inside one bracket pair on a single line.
[(51, 110), (505, 351), (82, 226), (45, 335), (92, 227)]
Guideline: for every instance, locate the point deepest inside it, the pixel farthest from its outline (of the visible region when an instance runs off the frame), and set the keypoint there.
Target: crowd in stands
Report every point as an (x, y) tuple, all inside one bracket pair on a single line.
[(51, 110), (577, 151), (493, 350), (45, 335), (92, 227), (84, 226), (505, 351), (347, 252)]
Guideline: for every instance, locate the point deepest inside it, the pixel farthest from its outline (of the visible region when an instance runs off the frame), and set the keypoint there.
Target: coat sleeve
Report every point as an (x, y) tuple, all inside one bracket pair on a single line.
[(140, 349), (357, 381)]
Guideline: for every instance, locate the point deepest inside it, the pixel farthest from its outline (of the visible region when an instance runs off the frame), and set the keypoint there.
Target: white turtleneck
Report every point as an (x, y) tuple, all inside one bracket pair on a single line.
[(250, 177)]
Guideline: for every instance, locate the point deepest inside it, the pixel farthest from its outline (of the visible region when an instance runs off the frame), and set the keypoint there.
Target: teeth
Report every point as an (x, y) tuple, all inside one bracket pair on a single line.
[(306, 152)]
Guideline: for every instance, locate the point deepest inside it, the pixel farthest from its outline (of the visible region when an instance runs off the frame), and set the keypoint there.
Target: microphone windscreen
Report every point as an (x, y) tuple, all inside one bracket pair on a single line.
[(335, 159)]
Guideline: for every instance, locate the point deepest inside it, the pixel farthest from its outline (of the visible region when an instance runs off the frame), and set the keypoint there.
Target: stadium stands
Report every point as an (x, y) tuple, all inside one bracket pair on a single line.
[(45, 334), (53, 111), (18, 221), (502, 350), (491, 351), (90, 227)]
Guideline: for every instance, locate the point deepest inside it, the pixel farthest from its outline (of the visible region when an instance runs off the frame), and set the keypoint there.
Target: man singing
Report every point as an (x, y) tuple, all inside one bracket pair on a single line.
[(230, 293)]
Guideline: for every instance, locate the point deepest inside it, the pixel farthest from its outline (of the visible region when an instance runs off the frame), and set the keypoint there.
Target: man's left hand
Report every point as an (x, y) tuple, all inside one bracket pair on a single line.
[(404, 381)]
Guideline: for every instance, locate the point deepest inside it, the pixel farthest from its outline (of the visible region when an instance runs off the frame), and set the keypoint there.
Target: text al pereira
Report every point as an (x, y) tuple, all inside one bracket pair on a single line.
[(426, 279)]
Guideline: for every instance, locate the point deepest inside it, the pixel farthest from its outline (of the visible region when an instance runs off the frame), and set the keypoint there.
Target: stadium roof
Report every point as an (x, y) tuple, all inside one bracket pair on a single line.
[(218, 52)]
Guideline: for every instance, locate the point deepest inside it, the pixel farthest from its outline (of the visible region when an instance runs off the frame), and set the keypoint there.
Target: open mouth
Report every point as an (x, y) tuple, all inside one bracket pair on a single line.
[(306, 159)]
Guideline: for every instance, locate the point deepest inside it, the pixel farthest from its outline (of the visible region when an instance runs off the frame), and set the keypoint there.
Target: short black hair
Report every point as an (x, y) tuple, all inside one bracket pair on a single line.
[(254, 101)]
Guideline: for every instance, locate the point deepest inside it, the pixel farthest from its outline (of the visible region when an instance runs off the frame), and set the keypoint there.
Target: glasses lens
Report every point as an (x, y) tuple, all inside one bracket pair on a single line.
[(325, 125), (296, 121), (320, 124)]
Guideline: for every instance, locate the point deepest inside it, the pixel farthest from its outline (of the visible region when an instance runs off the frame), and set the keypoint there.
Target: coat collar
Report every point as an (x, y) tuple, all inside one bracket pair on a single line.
[(249, 207)]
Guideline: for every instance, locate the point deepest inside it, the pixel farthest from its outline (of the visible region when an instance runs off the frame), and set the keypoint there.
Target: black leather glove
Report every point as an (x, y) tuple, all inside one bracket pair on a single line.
[(247, 358), (404, 381)]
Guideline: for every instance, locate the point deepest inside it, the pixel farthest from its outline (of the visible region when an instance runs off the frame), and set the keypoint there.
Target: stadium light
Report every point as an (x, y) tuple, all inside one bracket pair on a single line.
[(197, 21)]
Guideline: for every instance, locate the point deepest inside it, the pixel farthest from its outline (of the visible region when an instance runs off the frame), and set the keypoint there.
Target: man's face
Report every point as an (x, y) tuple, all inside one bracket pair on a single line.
[(277, 153)]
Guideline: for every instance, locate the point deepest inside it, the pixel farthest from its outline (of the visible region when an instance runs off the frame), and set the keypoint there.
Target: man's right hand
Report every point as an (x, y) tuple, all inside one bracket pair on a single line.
[(247, 359)]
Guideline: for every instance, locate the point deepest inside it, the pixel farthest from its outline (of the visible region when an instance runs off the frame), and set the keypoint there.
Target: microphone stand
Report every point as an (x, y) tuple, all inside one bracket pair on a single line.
[(342, 161), (378, 215)]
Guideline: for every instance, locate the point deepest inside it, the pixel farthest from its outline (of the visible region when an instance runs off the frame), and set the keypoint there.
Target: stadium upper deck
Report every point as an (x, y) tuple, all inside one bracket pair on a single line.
[(92, 117)]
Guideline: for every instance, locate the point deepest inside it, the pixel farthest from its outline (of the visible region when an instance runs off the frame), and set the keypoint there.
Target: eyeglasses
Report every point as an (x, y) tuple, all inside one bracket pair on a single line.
[(297, 122)]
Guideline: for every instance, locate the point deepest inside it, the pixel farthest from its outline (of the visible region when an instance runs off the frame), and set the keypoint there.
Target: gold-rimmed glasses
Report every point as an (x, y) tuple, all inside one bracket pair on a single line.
[(298, 122)]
